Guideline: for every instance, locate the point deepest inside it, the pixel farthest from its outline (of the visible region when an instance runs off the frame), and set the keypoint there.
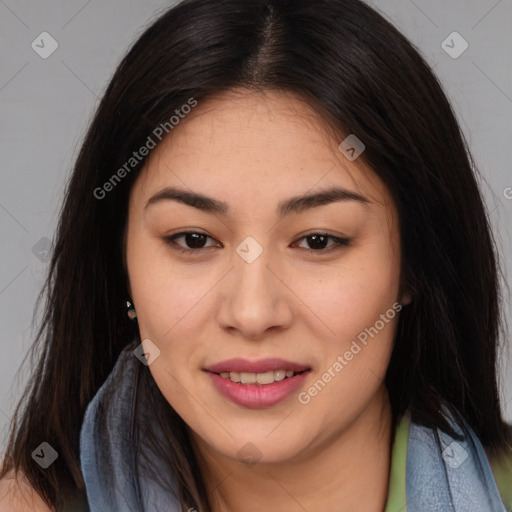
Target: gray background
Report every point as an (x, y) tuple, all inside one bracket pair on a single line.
[(46, 105)]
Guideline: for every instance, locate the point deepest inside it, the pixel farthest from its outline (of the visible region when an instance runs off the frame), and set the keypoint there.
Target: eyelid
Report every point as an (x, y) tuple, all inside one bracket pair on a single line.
[(170, 240), (339, 242)]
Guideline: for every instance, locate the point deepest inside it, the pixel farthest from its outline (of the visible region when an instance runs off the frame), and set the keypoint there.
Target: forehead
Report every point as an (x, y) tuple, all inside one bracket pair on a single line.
[(260, 145)]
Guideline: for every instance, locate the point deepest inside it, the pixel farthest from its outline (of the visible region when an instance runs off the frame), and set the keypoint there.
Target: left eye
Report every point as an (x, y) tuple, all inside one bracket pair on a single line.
[(318, 242)]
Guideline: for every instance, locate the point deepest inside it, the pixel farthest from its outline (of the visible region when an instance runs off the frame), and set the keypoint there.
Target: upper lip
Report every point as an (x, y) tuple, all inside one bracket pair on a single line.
[(261, 366)]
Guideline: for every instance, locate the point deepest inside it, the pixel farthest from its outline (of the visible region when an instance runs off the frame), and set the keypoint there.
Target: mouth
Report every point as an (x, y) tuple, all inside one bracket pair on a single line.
[(257, 384)]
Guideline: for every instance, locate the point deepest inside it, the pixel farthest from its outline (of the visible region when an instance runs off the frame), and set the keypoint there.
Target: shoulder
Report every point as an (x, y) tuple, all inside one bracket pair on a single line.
[(17, 495)]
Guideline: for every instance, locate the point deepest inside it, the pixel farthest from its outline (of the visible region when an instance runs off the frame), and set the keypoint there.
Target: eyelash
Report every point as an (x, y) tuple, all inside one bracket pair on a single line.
[(338, 242)]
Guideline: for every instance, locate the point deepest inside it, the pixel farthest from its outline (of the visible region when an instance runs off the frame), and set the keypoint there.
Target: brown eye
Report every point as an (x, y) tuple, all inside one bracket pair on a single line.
[(193, 240), (318, 242)]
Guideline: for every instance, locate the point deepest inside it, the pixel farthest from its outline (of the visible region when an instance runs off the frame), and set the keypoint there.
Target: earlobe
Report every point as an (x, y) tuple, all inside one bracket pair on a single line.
[(130, 310), (406, 299)]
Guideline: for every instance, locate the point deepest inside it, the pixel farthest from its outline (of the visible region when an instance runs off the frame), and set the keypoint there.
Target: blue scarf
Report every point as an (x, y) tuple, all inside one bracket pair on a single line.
[(442, 475)]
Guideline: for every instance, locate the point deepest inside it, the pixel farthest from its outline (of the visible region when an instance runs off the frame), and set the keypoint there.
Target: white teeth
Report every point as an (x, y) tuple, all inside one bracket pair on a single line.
[(258, 378), (247, 378), (265, 378), (234, 376), (279, 375)]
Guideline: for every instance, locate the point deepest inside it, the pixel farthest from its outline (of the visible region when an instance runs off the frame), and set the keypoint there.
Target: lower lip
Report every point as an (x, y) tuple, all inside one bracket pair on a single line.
[(255, 395)]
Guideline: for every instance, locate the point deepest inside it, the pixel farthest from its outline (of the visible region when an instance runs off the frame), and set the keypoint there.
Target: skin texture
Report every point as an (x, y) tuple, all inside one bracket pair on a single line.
[(17, 495), (253, 150)]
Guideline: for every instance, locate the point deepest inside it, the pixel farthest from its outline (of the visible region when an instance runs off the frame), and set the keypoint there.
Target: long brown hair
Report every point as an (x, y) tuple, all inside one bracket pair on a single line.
[(363, 77)]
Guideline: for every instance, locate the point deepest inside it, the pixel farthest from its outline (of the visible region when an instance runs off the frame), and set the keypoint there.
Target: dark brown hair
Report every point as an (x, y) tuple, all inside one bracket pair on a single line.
[(361, 76)]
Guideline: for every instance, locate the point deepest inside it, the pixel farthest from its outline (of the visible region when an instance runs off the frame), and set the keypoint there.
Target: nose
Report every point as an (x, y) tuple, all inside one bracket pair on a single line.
[(255, 299)]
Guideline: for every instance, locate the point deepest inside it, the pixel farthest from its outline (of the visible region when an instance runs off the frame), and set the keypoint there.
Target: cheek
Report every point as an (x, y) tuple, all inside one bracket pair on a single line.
[(351, 296), (361, 310), (167, 304), (162, 294)]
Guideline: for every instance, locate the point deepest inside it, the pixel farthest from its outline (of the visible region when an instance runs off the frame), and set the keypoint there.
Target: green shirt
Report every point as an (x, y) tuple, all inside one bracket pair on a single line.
[(397, 499)]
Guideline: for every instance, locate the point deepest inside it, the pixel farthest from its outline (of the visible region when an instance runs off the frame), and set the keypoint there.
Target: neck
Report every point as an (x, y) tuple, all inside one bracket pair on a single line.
[(346, 473)]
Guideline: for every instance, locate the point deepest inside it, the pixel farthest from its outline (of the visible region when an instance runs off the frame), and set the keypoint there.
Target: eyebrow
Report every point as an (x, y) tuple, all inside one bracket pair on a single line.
[(286, 207)]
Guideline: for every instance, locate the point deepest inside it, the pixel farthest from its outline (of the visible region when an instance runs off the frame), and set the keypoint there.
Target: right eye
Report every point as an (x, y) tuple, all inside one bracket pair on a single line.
[(194, 241)]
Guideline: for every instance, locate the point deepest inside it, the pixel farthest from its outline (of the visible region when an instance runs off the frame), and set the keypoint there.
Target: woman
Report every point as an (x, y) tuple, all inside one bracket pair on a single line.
[(274, 284)]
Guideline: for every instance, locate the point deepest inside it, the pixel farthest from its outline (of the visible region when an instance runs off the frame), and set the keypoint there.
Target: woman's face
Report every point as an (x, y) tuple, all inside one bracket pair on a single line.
[(269, 278)]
